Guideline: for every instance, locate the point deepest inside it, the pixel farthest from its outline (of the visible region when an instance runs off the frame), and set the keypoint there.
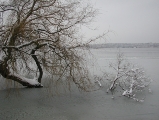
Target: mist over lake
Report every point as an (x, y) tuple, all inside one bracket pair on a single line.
[(38, 104)]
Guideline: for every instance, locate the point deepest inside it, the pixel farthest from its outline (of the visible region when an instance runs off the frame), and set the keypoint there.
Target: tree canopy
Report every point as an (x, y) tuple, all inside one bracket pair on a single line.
[(42, 36)]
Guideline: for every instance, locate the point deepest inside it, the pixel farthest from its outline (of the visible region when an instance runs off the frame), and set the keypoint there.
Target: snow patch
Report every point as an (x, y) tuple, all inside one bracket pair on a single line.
[(33, 81)]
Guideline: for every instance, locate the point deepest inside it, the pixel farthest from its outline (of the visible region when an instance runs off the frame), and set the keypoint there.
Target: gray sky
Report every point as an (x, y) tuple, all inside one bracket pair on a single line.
[(131, 21)]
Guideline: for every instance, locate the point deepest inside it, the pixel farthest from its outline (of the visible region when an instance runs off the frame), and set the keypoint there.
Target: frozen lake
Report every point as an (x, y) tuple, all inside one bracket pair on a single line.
[(38, 104)]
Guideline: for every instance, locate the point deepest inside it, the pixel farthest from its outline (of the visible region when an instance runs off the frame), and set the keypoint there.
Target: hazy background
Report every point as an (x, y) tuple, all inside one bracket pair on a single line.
[(131, 21)]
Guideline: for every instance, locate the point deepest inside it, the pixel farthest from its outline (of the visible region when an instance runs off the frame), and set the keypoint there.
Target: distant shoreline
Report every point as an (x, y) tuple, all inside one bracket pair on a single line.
[(125, 45)]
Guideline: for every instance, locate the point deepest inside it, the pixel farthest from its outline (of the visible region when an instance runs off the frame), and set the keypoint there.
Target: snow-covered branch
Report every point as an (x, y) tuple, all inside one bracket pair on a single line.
[(129, 78)]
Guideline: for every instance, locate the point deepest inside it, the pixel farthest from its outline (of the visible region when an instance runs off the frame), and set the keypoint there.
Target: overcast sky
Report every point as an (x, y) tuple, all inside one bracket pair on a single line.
[(131, 21)]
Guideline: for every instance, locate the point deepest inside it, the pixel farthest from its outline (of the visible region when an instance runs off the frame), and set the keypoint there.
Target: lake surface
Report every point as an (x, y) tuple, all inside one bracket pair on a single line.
[(39, 104)]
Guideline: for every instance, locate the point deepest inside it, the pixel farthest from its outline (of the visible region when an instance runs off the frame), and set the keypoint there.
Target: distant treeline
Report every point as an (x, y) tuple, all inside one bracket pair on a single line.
[(125, 45)]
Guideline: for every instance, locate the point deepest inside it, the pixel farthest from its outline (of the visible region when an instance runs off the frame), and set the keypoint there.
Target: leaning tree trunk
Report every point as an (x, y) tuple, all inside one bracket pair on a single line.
[(4, 71), (37, 62)]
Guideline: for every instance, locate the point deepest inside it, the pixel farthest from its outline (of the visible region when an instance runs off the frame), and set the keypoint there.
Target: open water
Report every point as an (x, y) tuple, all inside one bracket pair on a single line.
[(37, 104)]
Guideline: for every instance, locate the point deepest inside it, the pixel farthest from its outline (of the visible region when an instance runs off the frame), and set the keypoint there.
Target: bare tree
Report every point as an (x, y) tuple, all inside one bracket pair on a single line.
[(42, 36), (127, 78)]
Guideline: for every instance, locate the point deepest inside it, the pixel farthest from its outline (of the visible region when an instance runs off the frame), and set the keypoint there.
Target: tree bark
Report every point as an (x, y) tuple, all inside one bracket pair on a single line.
[(6, 74), (37, 61), (4, 70)]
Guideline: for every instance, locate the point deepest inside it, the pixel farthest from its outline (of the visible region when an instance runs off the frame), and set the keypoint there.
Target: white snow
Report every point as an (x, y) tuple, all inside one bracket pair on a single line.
[(98, 82), (150, 91), (125, 92), (33, 81), (141, 100)]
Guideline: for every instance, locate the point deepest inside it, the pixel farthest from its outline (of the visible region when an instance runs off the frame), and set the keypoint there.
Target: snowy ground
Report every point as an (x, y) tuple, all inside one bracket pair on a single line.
[(38, 104)]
